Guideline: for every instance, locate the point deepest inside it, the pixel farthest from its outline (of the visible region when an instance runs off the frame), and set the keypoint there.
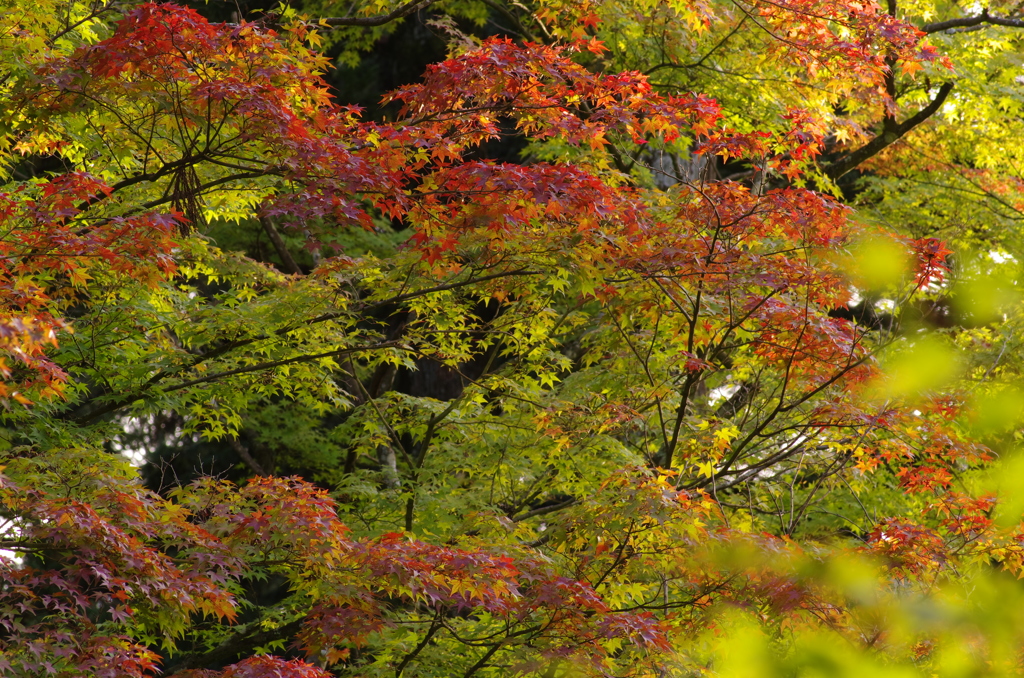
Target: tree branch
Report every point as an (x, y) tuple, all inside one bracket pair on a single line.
[(277, 363), (891, 135), (243, 453), (138, 393), (968, 21), (88, 416), (381, 19), (482, 662), (282, 250), (233, 647), (435, 626), (544, 510), (523, 31)]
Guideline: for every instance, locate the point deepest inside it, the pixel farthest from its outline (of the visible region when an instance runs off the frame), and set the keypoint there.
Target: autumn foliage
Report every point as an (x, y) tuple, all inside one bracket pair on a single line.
[(603, 408)]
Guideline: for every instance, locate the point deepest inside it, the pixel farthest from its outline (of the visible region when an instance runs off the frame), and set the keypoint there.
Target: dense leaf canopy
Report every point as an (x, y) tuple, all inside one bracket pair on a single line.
[(626, 339)]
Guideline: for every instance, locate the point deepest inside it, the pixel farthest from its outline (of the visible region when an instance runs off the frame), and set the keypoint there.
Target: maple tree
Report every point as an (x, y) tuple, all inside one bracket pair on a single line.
[(599, 409)]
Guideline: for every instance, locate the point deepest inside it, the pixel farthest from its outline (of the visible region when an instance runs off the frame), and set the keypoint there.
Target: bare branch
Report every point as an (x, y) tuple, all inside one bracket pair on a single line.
[(282, 250), (968, 21), (381, 19), (243, 453), (551, 508)]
